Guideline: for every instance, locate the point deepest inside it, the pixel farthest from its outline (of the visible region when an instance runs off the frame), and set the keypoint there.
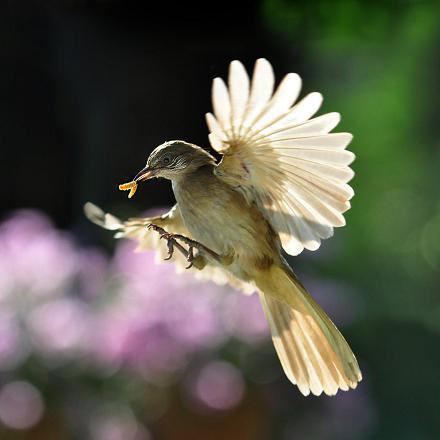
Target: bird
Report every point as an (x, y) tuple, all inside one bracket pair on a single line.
[(281, 185)]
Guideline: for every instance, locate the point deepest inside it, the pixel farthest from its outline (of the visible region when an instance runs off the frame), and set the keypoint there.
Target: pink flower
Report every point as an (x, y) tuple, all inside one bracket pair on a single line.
[(13, 346), (244, 318), (34, 257), (92, 272), (60, 327), (116, 422), (21, 405), (217, 386)]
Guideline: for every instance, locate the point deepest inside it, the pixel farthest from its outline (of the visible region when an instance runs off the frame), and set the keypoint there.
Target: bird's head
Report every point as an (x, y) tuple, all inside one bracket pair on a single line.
[(173, 159)]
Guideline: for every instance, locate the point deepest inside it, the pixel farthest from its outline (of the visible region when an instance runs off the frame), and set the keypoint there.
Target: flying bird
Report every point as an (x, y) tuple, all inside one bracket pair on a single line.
[(281, 183)]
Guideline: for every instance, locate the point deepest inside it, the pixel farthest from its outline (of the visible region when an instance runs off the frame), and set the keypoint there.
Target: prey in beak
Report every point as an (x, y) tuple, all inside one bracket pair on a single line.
[(144, 174)]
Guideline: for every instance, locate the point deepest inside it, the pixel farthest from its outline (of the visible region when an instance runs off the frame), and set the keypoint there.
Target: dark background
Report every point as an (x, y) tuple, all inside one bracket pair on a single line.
[(89, 88), (93, 87)]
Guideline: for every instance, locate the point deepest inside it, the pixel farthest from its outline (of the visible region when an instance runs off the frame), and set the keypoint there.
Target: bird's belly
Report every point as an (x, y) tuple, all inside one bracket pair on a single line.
[(221, 219), (217, 227)]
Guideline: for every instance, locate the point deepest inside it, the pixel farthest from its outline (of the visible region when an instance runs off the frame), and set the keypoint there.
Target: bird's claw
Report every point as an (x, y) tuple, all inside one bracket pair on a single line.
[(190, 257), (157, 229), (172, 243), (170, 246)]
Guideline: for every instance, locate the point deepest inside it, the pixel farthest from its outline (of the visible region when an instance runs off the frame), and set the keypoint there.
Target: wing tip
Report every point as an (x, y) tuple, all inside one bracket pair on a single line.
[(336, 115), (294, 76), (349, 136), (94, 213), (209, 117), (319, 97), (262, 60), (346, 139), (236, 63), (263, 63), (97, 216), (218, 80)]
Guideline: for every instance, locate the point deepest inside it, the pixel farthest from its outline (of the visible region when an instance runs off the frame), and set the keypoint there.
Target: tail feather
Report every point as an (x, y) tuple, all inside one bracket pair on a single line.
[(312, 351)]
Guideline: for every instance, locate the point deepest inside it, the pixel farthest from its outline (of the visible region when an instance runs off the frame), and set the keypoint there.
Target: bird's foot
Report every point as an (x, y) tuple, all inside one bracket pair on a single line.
[(203, 250), (172, 244), (194, 260)]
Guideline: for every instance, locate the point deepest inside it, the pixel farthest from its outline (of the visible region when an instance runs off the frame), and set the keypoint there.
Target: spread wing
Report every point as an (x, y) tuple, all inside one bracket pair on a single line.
[(149, 240), (290, 165)]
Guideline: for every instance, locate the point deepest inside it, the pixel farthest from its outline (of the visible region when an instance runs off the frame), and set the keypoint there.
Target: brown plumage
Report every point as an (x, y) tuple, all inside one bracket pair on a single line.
[(281, 183)]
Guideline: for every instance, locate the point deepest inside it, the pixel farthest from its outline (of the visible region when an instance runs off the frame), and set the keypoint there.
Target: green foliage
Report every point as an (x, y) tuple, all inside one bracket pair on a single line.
[(377, 63)]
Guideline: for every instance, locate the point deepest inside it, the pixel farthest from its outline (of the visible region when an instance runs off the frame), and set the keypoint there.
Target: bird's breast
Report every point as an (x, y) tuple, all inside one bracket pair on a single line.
[(220, 218)]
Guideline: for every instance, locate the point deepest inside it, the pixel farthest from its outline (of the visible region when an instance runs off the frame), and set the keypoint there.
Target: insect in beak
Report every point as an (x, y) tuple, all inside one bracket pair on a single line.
[(144, 174)]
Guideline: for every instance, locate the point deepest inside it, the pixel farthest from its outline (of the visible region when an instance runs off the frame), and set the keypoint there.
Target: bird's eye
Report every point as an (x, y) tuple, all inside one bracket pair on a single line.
[(166, 160)]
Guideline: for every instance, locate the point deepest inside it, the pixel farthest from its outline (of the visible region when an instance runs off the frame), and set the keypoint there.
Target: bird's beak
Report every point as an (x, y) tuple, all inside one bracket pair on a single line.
[(144, 174)]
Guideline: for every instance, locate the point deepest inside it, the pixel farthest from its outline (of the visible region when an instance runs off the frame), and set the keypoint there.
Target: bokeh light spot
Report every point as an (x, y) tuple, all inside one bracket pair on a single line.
[(21, 405)]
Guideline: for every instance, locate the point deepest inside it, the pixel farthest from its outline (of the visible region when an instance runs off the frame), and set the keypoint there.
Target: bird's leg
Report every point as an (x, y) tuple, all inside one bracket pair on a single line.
[(199, 260), (192, 244), (224, 260), (172, 243)]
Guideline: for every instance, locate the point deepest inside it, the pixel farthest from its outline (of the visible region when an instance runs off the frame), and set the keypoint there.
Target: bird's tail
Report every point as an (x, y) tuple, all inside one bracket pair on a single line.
[(314, 354)]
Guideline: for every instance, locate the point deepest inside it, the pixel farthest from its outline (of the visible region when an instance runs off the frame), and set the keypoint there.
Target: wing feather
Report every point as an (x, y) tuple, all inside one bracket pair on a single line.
[(221, 104), (285, 95), (215, 128), (263, 81), (239, 90), (291, 165), (313, 127), (302, 111), (148, 240)]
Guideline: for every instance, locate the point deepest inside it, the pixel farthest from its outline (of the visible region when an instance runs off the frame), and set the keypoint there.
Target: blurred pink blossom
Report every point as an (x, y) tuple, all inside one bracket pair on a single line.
[(116, 422), (92, 272), (21, 405), (13, 345), (142, 345), (217, 385), (34, 257), (158, 318), (60, 326), (152, 319), (244, 318)]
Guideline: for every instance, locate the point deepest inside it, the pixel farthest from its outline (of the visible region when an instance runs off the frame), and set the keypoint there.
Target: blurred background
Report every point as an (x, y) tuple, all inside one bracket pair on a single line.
[(98, 342)]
